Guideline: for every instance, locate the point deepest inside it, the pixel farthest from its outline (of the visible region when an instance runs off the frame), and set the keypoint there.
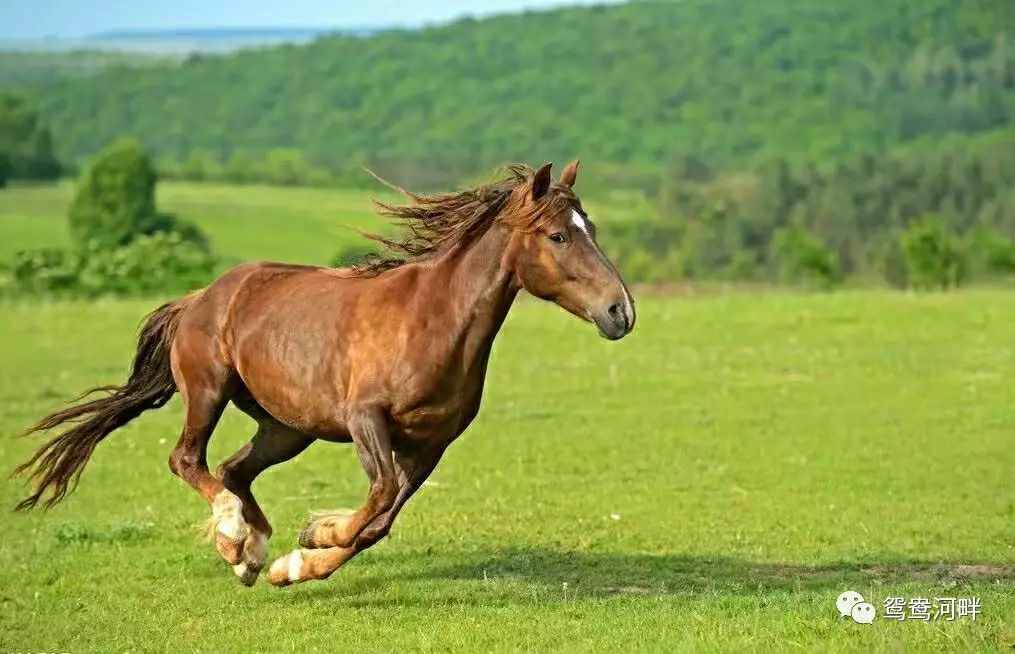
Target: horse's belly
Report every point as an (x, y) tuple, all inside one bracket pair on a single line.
[(303, 396), (437, 419)]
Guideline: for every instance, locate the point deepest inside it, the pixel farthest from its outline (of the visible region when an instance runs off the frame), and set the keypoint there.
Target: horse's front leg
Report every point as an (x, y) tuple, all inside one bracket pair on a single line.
[(413, 469), (371, 436), (300, 565), (369, 430)]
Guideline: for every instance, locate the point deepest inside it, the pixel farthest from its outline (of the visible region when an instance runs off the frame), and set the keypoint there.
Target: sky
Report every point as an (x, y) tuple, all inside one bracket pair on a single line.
[(33, 19)]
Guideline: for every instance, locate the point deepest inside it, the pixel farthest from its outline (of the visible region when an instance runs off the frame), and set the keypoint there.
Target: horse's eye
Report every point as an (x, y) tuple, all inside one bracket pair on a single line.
[(558, 238)]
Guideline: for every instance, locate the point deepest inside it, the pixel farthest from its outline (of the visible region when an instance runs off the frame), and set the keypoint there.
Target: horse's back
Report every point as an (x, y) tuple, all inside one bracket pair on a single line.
[(214, 308)]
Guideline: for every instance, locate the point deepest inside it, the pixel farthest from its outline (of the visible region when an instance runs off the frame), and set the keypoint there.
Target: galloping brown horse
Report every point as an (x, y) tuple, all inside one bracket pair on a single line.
[(390, 355)]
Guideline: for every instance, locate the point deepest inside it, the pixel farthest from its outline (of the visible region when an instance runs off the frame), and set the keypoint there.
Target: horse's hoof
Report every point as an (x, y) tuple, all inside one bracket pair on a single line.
[(246, 574), (286, 570), (306, 537), (255, 553), (325, 530)]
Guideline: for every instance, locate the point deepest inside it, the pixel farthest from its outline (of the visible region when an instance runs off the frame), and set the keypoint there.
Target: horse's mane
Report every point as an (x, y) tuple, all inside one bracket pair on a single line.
[(434, 223)]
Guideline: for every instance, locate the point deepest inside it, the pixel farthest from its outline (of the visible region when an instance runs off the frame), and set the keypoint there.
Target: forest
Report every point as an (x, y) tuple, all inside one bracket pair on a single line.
[(776, 141), (728, 81)]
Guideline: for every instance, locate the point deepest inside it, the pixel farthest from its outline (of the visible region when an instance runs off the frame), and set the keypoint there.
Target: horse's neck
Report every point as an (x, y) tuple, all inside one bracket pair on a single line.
[(482, 290)]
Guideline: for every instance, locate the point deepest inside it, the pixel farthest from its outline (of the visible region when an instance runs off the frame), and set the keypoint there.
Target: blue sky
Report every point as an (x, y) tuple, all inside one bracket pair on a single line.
[(31, 19)]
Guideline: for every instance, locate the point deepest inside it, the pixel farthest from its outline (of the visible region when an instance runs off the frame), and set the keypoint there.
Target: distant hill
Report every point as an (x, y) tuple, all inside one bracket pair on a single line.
[(30, 61), (730, 81), (28, 65), (180, 41), (214, 39), (213, 34)]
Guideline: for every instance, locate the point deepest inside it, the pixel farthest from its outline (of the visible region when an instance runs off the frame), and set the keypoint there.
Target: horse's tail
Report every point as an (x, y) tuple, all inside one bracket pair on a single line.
[(57, 465)]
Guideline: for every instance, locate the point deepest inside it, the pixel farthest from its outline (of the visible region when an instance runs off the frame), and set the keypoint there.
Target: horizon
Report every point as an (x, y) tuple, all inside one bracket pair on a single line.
[(70, 20)]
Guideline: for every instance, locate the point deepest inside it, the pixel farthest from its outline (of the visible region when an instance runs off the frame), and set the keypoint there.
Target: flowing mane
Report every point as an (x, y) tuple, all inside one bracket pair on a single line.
[(434, 223)]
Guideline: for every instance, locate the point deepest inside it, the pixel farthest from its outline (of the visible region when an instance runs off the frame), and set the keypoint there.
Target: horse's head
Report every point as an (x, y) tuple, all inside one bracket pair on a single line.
[(556, 257)]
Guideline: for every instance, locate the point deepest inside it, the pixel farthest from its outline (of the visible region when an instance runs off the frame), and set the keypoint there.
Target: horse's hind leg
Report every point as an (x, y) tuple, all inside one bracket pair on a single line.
[(206, 384), (272, 444)]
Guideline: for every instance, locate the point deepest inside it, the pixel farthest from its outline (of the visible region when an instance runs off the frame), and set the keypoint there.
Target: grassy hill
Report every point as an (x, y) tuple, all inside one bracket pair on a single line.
[(728, 80)]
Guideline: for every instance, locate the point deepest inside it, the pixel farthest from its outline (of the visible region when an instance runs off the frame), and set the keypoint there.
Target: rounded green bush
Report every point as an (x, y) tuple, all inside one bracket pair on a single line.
[(115, 200)]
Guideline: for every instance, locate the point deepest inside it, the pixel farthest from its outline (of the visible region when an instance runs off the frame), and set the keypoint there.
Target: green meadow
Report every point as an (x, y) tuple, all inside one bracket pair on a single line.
[(711, 483), (243, 222), (295, 224)]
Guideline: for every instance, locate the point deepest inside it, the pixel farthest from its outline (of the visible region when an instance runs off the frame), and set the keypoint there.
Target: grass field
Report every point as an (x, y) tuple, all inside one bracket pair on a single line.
[(243, 222), (303, 225), (713, 482)]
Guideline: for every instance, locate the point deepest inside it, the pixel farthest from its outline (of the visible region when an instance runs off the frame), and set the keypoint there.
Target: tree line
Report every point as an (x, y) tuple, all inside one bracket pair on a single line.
[(732, 82), (26, 145), (864, 217)]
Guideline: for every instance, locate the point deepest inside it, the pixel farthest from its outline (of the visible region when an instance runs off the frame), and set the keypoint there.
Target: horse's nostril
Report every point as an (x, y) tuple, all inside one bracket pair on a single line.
[(616, 312)]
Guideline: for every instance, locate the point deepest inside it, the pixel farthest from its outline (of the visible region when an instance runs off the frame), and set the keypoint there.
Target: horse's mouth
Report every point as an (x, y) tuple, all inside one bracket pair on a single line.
[(613, 328)]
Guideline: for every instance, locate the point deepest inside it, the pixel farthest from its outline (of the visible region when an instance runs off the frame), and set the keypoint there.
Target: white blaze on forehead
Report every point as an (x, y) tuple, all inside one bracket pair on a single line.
[(579, 222)]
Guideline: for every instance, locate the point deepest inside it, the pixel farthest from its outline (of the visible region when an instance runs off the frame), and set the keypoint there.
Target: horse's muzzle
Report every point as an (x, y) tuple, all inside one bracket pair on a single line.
[(616, 321)]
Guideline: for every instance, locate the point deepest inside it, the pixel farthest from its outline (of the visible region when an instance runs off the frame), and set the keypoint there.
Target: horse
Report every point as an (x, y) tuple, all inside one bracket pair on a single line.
[(390, 355)]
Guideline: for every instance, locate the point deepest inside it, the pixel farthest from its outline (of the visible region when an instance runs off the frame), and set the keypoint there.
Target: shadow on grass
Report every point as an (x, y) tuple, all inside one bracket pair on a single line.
[(537, 575)]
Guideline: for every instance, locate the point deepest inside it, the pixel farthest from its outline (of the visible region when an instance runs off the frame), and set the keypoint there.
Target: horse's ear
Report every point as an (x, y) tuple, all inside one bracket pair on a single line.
[(541, 181), (570, 173)]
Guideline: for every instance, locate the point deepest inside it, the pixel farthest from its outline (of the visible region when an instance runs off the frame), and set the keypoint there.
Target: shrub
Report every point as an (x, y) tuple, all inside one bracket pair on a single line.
[(933, 255), (5, 169), (115, 200), (892, 263), (45, 271), (240, 168), (167, 223), (989, 253), (801, 258), (161, 263), (637, 266)]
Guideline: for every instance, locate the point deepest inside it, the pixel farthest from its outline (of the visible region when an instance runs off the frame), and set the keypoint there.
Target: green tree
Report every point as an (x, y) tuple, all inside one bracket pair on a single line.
[(25, 144), (803, 258), (934, 257), (115, 200), (5, 168), (989, 253)]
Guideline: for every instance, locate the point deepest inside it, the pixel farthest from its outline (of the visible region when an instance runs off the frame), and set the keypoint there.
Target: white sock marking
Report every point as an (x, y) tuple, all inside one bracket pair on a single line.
[(227, 511), (295, 565)]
